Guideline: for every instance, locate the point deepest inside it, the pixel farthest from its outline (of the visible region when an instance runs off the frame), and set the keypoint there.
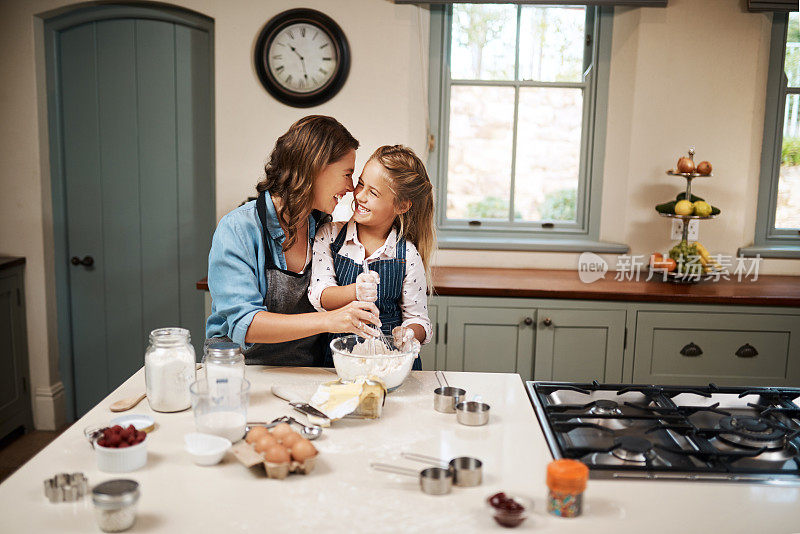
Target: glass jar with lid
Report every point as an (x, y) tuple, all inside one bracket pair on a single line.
[(169, 369), (223, 359)]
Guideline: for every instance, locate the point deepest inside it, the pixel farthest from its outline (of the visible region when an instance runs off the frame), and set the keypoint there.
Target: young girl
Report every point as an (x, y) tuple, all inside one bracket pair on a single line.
[(392, 231)]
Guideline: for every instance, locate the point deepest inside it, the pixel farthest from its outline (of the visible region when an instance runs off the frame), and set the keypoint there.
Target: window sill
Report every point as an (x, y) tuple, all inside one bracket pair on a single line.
[(771, 251), (531, 244)]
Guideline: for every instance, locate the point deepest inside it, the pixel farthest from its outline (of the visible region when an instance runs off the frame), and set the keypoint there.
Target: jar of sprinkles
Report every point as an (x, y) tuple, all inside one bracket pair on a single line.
[(566, 480)]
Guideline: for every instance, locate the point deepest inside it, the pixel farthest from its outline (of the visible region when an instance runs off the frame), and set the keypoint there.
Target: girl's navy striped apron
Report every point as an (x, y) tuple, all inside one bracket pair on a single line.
[(392, 272)]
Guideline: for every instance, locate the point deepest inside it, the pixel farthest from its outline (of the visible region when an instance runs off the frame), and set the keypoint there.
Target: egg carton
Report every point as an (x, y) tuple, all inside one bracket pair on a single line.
[(248, 456)]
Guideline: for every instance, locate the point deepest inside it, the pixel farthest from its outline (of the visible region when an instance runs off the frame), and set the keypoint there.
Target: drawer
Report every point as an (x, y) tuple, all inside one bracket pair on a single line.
[(724, 348)]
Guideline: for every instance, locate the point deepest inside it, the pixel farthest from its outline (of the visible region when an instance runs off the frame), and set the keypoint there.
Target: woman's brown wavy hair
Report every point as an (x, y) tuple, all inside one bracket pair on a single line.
[(409, 181), (298, 158)]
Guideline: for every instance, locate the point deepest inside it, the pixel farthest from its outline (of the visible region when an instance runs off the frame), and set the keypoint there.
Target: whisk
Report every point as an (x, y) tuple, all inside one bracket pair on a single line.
[(377, 343)]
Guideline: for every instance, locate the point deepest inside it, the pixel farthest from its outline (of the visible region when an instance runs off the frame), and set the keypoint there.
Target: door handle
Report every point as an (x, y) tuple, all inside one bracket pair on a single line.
[(528, 321), (547, 321), (747, 351), (87, 261), (691, 350)]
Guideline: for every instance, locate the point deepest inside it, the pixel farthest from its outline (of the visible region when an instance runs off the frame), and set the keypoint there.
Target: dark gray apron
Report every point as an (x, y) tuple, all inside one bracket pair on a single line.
[(287, 293)]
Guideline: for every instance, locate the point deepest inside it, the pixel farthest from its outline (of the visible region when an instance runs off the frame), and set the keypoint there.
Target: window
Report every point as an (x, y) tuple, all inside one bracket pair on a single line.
[(518, 93), (778, 218)]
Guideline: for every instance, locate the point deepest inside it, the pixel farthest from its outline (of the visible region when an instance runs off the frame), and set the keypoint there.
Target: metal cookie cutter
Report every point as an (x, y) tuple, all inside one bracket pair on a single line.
[(66, 487)]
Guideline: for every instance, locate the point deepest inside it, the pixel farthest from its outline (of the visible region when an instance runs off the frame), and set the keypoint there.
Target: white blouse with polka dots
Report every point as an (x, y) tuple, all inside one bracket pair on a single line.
[(414, 302)]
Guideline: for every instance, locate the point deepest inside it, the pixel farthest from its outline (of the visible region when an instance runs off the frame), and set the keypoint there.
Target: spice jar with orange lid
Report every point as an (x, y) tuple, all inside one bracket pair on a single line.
[(566, 480)]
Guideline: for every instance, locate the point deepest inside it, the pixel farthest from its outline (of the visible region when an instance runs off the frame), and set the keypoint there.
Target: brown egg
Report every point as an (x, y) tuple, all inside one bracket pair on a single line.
[(302, 450), (282, 429), (290, 439), (265, 443), (256, 433), (277, 454)]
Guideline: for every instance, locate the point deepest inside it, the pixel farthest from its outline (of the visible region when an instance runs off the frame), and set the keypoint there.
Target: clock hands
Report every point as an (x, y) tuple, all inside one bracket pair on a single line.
[(302, 61)]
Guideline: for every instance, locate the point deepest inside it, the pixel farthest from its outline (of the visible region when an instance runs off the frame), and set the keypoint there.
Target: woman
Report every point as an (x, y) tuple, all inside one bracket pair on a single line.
[(259, 265)]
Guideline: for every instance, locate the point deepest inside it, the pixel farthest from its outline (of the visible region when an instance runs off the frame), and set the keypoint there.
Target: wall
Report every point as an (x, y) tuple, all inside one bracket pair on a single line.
[(694, 73)]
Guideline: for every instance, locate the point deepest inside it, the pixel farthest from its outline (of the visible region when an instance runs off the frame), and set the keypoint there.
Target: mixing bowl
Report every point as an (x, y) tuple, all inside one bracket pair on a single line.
[(355, 356)]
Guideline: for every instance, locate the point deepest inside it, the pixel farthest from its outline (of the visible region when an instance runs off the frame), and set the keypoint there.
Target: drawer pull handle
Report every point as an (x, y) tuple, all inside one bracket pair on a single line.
[(747, 351), (691, 350), (547, 321), (528, 321)]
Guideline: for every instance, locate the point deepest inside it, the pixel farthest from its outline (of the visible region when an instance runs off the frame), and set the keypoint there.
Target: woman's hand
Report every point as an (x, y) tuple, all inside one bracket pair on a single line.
[(355, 318), (367, 286)]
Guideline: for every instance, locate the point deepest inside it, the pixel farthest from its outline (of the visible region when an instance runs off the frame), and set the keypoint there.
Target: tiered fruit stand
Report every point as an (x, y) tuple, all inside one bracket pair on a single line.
[(683, 277)]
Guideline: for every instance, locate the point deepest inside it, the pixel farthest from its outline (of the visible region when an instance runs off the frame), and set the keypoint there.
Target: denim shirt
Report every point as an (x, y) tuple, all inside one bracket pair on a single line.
[(236, 269)]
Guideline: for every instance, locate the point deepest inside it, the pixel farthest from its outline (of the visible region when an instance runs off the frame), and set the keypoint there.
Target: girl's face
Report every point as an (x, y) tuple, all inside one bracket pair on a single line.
[(375, 200), (335, 181)]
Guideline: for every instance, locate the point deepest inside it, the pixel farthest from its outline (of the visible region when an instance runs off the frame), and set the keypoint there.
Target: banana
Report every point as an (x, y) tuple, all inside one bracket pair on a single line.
[(705, 257)]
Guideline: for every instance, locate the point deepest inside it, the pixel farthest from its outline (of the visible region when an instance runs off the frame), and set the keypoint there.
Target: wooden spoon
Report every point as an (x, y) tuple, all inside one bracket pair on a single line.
[(126, 404)]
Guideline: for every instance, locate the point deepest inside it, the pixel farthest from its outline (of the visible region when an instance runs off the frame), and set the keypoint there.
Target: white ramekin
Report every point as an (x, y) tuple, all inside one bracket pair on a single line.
[(113, 460)]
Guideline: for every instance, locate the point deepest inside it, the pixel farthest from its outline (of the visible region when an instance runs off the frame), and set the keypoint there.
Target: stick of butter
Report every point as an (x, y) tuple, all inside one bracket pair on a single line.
[(362, 398)]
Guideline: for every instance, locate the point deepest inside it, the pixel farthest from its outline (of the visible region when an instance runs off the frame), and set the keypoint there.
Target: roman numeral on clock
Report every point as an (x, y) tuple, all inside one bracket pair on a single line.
[(302, 32)]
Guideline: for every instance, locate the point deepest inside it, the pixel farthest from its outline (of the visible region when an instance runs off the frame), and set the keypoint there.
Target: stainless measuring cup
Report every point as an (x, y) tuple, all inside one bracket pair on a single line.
[(433, 480), (472, 413), (446, 397), (467, 471)]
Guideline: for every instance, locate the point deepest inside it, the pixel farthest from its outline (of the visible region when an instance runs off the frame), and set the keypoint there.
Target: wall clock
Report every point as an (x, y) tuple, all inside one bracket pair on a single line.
[(302, 57)]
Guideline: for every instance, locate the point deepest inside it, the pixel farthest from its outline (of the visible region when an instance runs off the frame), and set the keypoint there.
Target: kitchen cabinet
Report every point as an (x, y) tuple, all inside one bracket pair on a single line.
[(731, 349), (484, 338), (428, 353), (15, 402), (575, 345), (617, 342)]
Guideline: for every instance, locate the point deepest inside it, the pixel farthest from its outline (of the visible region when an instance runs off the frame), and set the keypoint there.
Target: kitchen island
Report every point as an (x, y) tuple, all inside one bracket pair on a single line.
[(343, 494)]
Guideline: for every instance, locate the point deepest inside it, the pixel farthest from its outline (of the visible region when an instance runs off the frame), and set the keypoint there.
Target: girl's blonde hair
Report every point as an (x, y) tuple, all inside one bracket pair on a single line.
[(299, 156), (410, 183)]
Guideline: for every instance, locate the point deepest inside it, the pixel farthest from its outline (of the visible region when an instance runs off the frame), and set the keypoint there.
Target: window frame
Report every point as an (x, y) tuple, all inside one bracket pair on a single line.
[(768, 241), (580, 235)]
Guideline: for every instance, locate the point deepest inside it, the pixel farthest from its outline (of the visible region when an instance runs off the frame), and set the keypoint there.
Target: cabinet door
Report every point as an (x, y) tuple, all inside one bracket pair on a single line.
[(498, 340), (580, 345), (15, 406), (429, 351)]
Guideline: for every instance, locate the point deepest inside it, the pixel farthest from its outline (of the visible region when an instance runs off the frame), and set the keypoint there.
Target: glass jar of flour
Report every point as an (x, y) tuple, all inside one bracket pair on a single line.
[(223, 359), (169, 369)]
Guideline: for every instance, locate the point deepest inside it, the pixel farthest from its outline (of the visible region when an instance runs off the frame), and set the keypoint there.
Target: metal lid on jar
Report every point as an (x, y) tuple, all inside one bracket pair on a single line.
[(117, 493), (224, 350)]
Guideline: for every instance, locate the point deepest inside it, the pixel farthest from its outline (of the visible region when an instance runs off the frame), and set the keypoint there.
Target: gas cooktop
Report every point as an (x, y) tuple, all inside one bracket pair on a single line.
[(673, 432)]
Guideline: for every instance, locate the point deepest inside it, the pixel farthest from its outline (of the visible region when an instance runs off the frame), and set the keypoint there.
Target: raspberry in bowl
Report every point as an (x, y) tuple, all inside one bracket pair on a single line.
[(121, 450), (509, 510)]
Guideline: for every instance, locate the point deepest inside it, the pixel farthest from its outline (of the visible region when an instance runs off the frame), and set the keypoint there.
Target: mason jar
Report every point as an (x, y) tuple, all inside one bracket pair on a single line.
[(223, 359), (169, 369)]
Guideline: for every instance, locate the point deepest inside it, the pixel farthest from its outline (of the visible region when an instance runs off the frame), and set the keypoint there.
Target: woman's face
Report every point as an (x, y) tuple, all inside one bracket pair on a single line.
[(335, 181)]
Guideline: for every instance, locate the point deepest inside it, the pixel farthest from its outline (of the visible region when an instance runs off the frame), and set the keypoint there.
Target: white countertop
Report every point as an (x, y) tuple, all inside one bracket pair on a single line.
[(344, 494)]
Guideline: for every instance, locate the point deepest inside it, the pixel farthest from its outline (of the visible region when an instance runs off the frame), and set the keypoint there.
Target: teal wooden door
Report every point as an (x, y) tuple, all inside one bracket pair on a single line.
[(580, 345), (497, 340), (137, 168)]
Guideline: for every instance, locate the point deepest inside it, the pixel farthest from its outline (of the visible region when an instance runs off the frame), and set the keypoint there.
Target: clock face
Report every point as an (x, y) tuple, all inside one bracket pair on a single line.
[(302, 57)]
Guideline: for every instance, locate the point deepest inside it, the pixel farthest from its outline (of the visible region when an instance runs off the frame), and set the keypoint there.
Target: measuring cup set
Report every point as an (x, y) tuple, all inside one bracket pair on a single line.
[(463, 471), (448, 399)]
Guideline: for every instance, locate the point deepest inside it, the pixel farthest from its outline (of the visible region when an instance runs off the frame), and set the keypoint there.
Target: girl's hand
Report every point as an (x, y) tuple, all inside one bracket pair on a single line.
[(356, 318), (367, 286), (404, 339)]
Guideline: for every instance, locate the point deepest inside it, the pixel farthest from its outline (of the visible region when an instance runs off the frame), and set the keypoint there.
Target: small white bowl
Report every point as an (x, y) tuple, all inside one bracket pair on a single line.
[(206, 449), (114, 460)]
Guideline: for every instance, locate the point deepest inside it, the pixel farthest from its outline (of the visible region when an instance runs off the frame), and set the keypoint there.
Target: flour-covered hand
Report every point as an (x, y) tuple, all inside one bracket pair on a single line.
[(367, 286), (404, 339)]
